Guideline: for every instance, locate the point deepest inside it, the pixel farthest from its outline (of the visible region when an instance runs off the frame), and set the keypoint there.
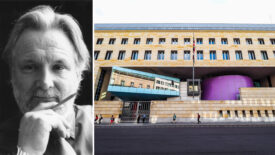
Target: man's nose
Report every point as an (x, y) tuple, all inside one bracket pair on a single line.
[(45, 79)]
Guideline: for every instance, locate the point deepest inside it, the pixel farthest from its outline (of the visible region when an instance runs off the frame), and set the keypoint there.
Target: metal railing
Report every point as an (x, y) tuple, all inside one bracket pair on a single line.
[(133, 109)]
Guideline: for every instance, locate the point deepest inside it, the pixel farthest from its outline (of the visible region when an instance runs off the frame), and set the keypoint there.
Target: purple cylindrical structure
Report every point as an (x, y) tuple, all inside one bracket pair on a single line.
[(224, 87)]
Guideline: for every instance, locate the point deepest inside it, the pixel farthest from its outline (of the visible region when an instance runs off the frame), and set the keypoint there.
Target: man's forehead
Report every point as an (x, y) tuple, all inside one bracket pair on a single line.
[(50, 39)]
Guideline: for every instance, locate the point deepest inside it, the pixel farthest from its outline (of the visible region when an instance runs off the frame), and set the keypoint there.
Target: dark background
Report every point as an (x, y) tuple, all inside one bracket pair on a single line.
[(11, 10)]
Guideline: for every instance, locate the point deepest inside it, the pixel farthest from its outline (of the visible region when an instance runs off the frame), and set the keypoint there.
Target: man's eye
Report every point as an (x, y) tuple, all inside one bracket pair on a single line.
[(28, 68), (58, 67)]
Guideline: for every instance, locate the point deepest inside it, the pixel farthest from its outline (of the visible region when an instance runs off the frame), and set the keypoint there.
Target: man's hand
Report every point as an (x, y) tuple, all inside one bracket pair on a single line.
[(35, 128)]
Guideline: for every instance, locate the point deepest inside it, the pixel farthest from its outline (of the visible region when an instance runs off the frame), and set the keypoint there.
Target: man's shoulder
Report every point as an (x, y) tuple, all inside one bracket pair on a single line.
[(9, 134)]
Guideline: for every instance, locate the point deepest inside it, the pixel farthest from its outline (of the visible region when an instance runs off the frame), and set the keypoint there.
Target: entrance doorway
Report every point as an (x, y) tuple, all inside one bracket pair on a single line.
[(132, 109)]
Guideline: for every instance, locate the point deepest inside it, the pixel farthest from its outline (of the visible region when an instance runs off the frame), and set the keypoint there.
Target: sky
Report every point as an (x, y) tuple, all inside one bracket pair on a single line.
[(184, 11)]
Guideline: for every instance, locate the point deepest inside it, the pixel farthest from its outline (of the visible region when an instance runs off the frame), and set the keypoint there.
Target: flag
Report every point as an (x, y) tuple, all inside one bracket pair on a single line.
[(193, 49)]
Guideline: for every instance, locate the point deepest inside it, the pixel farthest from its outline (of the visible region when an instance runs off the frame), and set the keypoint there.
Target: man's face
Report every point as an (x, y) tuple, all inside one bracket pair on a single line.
[(44, 69)]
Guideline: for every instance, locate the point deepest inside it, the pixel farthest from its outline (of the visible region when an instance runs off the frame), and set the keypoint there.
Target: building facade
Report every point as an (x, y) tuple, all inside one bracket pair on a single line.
[(148, 68)]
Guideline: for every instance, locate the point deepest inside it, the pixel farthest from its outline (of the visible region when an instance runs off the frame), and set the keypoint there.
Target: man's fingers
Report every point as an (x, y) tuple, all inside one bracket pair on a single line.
[(60, 125)]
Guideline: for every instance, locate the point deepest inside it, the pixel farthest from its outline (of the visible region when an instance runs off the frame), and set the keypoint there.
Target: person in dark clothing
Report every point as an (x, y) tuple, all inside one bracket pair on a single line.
[(199, 116), (138, 118), (100, 119)]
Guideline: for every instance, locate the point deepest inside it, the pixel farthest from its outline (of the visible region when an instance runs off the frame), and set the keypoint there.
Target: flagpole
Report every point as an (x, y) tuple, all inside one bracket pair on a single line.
[(193, 68)]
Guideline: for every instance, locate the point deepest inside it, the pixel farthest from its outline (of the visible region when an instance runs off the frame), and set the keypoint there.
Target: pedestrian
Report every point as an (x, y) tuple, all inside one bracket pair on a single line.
[(96, 118), (119, 118), (112, 120), (174, 118), (143, 118), (138, 118), (100, 119), (199, 116)]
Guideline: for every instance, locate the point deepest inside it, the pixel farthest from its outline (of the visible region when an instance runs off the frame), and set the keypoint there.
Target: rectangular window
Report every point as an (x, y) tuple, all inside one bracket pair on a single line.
[(266, 113), (236, 113), (112, 41), (236, 41), (239, 55), (134, 55), (161, 40), (225, 55), (112, 81), (213, 55), (132, 84), (96, 54), (211, 41), (186, 55), (124, 41), (122, 83), (251, 55), (174, 41), (248, 41), (264, 55), (147, 55), (228, 113), (199, 55), (186, 41), (244, 114), (148, 86), (224, 41), (174, 55), (108, 55), (160, 55), (99, 41), (274, 54), (259, 113), (149, 41), (251, 113), (137, 41), (140, 86), (199, 41), (121, 55), (261, 41), (272, 41)]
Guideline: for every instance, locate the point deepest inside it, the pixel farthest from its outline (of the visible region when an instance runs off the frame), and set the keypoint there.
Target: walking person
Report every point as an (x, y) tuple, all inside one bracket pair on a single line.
[(112, 120), (143, 118), (96, 118), (138, 118), (199, 116), (174, 118), (100, 118)]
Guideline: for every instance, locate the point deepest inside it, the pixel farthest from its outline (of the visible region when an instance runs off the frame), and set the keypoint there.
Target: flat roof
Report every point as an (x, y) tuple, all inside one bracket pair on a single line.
[(184, 26)]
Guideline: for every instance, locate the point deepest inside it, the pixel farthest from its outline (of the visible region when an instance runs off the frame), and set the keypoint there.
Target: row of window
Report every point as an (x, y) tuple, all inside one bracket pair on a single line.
[(167, 84), (187, 55), (122, 83), (211, 41), (244, 113)]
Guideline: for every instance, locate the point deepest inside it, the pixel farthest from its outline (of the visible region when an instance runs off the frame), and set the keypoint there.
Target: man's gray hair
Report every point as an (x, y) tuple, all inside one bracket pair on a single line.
[(43, 18)]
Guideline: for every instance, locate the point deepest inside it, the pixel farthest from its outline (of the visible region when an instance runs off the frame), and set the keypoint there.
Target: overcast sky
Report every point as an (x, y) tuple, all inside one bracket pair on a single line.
[(184, 11)]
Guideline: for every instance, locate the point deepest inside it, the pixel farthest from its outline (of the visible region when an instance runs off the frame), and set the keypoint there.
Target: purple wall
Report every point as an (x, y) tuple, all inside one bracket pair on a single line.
[(224, 87)]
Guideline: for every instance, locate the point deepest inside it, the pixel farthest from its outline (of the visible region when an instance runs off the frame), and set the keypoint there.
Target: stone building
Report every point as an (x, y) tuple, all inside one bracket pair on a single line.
[(148, 69)]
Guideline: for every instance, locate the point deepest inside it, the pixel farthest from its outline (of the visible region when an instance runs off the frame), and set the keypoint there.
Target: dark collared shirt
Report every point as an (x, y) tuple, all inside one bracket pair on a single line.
[(81, 140)]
